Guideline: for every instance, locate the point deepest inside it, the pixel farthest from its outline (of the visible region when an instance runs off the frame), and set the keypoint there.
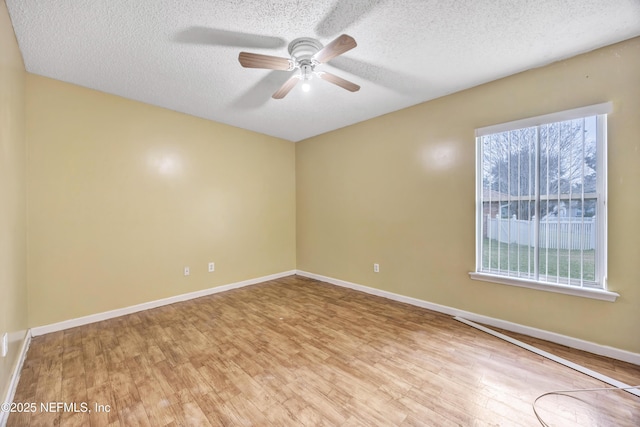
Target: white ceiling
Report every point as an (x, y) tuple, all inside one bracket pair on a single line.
[(183, 54)]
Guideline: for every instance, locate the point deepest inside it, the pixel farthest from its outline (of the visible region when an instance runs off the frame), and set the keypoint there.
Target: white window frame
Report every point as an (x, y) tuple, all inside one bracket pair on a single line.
[(600, 110)]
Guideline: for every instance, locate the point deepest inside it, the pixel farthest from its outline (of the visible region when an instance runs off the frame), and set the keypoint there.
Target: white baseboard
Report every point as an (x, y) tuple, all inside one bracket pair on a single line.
[(72, 323), (568, 341), (591, 347), (594, 374), (15, 376)]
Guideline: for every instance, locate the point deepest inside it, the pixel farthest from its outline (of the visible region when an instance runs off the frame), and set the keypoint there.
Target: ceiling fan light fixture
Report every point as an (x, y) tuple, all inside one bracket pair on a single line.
[(306, 71), (306, 87)]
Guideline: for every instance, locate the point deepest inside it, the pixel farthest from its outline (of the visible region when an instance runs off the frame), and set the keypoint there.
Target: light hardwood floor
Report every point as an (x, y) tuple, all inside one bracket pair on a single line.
[(296, 351)]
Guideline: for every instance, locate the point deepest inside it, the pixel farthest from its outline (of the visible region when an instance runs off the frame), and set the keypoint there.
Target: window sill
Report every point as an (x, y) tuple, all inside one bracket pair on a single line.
[(561, 289)]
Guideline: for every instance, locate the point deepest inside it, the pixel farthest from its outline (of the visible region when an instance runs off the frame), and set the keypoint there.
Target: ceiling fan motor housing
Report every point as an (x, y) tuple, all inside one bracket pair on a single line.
[(303, 48)]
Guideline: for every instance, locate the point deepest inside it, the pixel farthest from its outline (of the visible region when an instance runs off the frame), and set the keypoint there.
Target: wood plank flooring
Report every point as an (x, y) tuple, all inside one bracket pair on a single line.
[(298, 352)]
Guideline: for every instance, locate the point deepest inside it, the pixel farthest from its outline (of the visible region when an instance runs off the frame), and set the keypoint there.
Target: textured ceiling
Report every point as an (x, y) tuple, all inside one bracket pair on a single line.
[(183, 54)]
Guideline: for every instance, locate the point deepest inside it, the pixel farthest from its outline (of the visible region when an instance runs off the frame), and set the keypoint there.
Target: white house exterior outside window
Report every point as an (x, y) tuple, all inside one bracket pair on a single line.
[(541, 203)]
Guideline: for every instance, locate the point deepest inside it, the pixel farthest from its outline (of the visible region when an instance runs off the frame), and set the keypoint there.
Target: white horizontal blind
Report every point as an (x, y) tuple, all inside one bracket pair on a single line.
[(576, 113), (541, 193)]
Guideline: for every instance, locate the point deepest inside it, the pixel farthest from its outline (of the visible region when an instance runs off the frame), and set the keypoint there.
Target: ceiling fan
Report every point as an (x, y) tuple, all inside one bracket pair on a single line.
[(306, 53)]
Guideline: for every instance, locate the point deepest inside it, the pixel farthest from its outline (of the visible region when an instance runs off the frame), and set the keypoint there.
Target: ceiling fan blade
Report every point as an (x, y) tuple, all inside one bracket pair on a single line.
[(339, 81), (398, 81), (256, 60), (344, 14), (335, 48), (199, 35), (285, 88), (260, 92)]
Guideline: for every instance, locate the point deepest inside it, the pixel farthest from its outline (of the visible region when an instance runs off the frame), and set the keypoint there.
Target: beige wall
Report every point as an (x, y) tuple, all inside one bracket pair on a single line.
[(13, 269), (399, 190), (123, 195)]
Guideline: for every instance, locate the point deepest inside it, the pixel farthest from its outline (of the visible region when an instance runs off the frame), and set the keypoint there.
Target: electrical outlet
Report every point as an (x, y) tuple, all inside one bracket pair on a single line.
[(186, 271), (5, 344), (376, 268), (212, 267)]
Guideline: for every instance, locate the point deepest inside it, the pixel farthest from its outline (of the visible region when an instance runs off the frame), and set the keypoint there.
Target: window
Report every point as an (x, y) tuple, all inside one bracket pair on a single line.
[(541, 202)]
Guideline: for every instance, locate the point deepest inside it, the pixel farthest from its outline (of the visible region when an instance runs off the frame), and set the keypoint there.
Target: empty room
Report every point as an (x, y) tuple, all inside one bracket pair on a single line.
[(303, 213)]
